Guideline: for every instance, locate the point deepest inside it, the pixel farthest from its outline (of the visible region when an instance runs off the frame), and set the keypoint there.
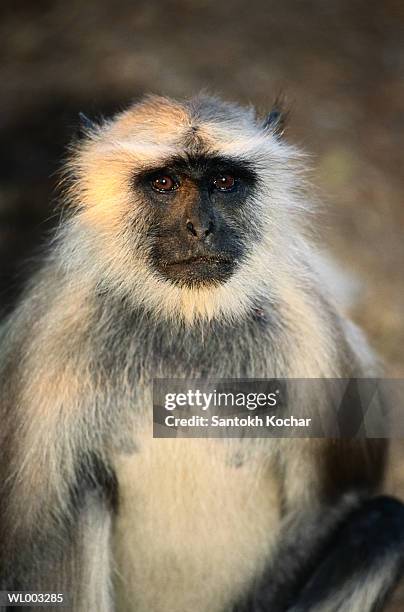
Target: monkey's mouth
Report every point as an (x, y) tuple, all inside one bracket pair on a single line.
[(198, 269), (202, 259)]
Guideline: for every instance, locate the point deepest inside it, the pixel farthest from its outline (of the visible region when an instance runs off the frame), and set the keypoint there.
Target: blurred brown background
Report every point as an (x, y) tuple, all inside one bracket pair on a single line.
[(341, 64)]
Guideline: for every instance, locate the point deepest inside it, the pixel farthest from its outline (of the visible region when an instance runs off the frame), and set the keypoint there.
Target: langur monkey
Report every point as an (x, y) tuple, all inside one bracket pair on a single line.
[(184, 251)]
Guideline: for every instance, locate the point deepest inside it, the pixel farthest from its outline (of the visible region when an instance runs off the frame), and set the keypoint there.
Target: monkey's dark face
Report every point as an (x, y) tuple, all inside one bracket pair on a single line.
[(200, 226)]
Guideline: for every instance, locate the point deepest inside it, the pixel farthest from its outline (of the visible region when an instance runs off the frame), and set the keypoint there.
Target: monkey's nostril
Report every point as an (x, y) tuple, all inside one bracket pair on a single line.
[(210, 229), (191, 228), (199, 230)]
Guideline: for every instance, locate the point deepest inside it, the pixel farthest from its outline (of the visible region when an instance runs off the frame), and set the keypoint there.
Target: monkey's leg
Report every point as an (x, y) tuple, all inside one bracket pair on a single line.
[(362, 562), (347, 564)]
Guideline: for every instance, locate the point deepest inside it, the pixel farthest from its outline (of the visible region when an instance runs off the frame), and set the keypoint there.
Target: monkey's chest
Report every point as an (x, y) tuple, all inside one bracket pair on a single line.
[(193, 529)]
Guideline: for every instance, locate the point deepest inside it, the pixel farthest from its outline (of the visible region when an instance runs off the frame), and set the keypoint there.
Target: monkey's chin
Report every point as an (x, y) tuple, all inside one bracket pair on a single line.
[(199, 272)]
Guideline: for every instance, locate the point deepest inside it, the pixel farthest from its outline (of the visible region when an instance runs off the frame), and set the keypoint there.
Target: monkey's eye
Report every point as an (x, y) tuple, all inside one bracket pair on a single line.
[(224, 182), (164, 183)]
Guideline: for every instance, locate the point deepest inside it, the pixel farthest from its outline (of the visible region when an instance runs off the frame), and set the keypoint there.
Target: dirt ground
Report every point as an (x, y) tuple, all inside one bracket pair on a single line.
[(340, 64)]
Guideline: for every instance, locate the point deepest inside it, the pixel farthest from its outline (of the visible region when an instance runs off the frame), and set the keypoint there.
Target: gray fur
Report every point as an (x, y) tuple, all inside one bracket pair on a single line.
[(97, 325)]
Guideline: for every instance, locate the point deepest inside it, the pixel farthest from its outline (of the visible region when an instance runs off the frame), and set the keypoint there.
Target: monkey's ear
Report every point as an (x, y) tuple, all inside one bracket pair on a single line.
[(275, 122), (86, 124)]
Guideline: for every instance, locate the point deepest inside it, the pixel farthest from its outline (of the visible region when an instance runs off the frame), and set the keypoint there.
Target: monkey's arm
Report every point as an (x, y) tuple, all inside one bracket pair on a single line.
[(57, 493), (351, 566), (59, 551), (56, 501)]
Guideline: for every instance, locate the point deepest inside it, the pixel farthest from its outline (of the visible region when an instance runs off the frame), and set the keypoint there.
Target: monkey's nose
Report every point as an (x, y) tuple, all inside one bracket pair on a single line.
[(200, 230)]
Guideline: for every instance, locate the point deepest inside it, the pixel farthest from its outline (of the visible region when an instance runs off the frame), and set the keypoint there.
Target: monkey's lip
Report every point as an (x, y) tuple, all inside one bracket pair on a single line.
[(199, 269), (202, 259)]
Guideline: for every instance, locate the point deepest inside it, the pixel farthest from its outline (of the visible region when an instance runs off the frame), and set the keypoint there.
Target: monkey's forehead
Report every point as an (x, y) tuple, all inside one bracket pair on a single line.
[(165, 114), (199, 125)]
